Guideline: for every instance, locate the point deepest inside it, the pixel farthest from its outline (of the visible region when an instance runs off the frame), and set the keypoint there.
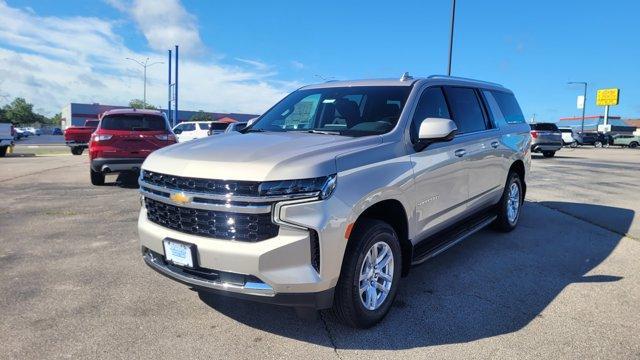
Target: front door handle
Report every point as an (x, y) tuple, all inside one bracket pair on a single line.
[(495, 144), (460, 152)]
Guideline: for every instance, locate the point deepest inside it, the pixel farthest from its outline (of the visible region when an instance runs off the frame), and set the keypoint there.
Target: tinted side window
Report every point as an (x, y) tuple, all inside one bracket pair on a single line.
[(203, 126), (431, 104), (466, 109), (509, 106), (544, 127)]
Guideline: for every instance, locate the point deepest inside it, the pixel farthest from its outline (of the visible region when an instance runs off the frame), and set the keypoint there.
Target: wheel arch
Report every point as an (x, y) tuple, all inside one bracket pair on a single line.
[(393, 213), (518, 168)]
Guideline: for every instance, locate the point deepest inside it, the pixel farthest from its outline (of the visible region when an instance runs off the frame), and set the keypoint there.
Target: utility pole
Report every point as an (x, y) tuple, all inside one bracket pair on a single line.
[(584, 100), (453, 20), (144, 65)]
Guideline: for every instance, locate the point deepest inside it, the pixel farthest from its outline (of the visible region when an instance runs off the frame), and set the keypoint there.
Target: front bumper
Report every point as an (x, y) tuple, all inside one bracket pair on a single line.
[(109, 165), (281, 266), (254, 291)]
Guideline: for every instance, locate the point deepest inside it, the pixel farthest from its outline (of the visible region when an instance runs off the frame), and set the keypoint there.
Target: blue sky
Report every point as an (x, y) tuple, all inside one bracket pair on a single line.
[(532, 47)]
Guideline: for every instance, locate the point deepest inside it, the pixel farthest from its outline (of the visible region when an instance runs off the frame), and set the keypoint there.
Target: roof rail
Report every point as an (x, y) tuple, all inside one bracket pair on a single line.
[(463, 78)]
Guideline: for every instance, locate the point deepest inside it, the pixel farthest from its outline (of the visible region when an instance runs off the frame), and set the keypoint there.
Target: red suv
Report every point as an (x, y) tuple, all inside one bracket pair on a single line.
[(124, 138)]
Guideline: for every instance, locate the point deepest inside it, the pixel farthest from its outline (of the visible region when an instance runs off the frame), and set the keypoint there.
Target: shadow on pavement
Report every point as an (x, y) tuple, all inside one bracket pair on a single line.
[(127, 180), (491, 284)]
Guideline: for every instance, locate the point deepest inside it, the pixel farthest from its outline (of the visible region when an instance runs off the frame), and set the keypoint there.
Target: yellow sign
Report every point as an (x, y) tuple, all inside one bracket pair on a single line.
[(607, 97)]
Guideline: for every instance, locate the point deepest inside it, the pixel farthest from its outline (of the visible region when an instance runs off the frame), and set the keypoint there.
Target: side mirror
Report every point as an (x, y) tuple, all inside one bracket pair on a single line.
[(435, 130)]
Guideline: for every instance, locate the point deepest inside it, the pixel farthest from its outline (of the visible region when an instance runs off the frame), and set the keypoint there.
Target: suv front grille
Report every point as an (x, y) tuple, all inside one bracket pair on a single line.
[(218, 187), (209, 223)]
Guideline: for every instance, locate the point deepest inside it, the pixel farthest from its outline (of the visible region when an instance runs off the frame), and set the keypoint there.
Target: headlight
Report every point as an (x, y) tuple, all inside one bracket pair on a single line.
[(321, 187)]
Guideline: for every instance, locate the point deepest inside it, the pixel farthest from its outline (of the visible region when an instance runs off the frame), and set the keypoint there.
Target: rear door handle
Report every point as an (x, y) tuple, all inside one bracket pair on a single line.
[(495, 144), (460, 152)]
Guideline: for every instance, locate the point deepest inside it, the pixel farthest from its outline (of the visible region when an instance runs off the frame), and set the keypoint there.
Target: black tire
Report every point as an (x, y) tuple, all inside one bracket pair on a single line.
[(347, 304), (97, 178), (77, 150), (633, 145), (574, 144), (502, 222), (548, 154), (3, 151), (597, 144)]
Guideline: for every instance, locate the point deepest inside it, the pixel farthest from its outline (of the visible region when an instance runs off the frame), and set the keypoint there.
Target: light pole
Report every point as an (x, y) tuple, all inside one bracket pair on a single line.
[(145, 65), (584, 100), (453, 21)]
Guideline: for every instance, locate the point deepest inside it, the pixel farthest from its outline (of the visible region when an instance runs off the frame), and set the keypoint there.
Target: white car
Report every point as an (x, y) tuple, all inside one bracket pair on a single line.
[(191, 130), (568, 137)]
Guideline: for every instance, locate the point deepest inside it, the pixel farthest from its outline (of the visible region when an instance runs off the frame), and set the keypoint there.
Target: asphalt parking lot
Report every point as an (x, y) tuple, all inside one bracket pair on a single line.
[(564, 284)]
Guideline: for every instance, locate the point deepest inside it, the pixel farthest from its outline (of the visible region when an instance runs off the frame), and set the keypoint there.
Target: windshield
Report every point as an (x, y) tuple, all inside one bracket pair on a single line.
[(218, 126), (134, 123), (350, 111)]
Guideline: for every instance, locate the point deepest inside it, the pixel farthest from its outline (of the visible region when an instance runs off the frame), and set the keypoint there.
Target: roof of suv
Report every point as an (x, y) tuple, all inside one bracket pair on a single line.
[(132, 111), (409, 81)]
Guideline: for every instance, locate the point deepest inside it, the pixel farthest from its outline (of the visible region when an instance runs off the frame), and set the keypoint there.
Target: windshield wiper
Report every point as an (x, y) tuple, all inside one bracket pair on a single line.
[(323, 132)]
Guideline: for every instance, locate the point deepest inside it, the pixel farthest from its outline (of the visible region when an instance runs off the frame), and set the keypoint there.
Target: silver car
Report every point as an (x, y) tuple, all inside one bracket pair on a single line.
[(329, 198)]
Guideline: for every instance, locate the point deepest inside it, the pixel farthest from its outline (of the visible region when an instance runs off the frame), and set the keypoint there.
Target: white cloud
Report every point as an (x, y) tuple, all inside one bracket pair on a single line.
[(52, 61), (297, 65)]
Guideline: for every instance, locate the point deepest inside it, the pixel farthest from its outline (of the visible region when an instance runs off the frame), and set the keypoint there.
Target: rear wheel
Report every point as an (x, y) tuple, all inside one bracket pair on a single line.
[(97, 178), (597, 144), (508, 209), (370, 275), (548, 154), (77, 150), (3, 151), (633, 144), (574, 144)]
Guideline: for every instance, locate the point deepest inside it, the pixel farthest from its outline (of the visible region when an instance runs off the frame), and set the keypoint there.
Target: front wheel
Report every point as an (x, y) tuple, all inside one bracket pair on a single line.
[(3, 151), (548, 154), (77, 150), (574, 144), (508, 209), (370, 275), (633, 145), (597, 144)]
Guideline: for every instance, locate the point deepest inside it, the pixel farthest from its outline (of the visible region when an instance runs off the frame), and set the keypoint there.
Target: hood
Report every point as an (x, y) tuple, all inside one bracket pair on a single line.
[(257, 156)]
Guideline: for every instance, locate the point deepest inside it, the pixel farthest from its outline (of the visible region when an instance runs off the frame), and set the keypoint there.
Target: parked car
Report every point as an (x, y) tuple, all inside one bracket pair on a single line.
[(18, 134), (23, 132), (218, 127), (631, 141), (568, 137), (33, 131), (237, 126), (191, 130), (77, 137), (56, 131), (124, 138), (330, 206), (6, 138), (593, 138), (545, 139)]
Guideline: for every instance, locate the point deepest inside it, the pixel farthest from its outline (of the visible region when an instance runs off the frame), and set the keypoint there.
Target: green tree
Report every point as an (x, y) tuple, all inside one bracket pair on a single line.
[(201, 116), (19, 111), (139, 104), (55, 119)]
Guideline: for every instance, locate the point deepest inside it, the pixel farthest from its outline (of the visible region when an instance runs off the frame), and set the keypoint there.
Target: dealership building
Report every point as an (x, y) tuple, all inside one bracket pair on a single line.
[(591, 123), (75, 114)]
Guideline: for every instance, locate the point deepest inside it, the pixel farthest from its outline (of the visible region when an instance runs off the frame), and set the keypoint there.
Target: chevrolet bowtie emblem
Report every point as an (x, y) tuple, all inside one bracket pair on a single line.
[(180, 198)]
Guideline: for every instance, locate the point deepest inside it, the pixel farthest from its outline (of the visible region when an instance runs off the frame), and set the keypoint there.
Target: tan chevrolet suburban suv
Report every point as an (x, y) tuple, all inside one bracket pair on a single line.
[(330, 197)]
